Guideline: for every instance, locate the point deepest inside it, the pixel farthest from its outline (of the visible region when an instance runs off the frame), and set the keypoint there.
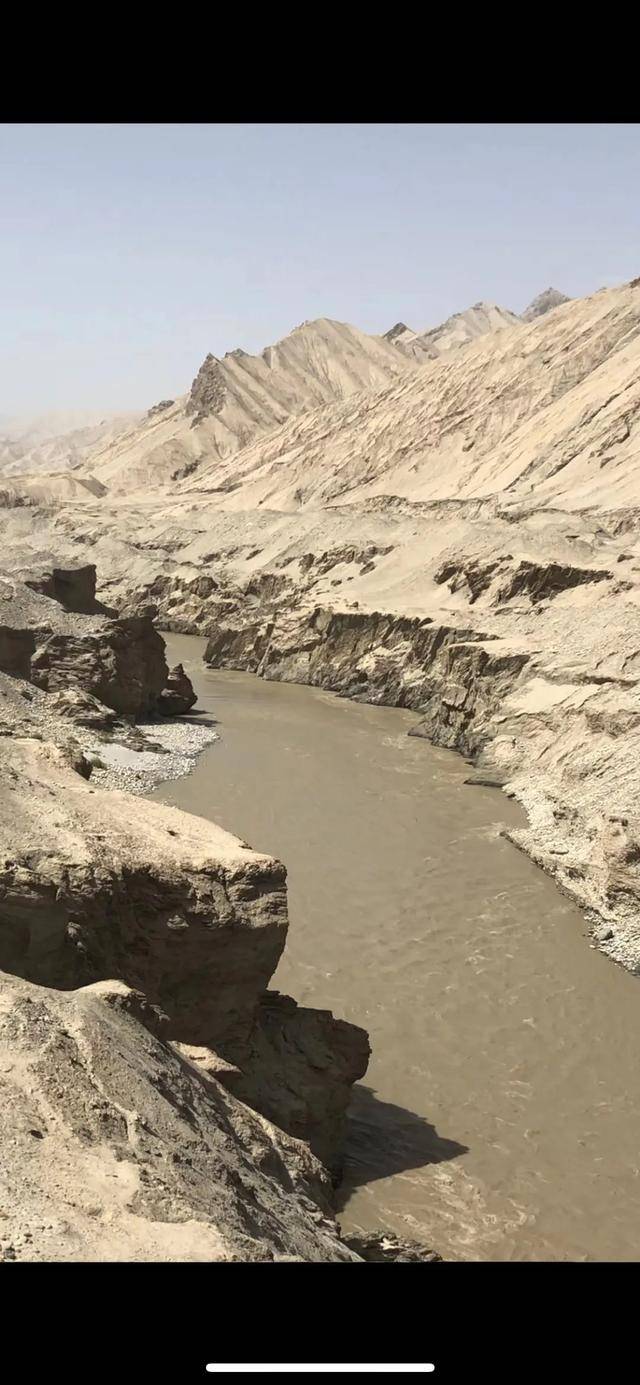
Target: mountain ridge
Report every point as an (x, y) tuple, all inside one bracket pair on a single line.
[(473, 322), (237, 397)]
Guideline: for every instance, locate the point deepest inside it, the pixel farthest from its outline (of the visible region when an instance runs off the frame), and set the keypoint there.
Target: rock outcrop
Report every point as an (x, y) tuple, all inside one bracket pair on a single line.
[(56, 634), (208, 391), (179, 910), (382, 1249), (298, 1068), (177, 696), (123, 665), (505, 577), (544, 303), (73, 588), (160, 407), (114, 1146)]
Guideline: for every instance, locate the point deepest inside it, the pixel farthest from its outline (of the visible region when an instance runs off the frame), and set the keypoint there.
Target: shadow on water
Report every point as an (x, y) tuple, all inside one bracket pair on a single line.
[(383, 1139)]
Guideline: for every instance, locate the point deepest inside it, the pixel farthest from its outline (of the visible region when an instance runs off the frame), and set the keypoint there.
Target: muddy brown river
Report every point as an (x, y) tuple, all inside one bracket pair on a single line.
[(500, 1116)]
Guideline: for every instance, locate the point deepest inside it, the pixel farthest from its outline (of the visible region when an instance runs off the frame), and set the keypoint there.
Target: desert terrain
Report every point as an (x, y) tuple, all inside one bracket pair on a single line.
[(443, 521)]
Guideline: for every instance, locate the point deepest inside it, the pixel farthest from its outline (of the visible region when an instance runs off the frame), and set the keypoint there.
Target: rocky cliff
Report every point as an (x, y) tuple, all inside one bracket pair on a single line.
[(162, 1102), (179, 910), (55, 633), (526, 663), (555, 726)]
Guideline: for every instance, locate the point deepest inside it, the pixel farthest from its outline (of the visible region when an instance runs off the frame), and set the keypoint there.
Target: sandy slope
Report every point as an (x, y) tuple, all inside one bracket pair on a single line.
[(48, 488), (55, 442), (246, 395), (545, 408), (241, 397)]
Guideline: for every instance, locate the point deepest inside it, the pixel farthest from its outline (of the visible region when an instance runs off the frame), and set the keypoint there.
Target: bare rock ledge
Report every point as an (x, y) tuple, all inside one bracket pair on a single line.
[(97, 885)]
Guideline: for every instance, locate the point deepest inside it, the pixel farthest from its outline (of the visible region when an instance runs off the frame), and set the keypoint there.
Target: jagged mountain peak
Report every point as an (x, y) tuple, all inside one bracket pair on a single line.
[(457, 330), (544, 303), (241, 396), (399, 329)]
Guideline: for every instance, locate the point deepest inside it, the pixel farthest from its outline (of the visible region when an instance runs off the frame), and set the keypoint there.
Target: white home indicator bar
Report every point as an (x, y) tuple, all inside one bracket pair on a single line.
[(317, 1368)]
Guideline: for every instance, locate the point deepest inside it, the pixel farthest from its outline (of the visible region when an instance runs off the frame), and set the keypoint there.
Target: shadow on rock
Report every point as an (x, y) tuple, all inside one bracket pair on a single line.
[(383, 1139)]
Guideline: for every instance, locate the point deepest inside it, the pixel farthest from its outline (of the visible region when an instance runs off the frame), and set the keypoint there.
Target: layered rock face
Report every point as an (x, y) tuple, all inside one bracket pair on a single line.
[(141, 1028), (179, 910), (73, 588), (55, 633), (123, 665)]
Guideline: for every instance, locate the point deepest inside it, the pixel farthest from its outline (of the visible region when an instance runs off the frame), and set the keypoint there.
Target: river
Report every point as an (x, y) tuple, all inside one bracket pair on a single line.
[(500, 1115)]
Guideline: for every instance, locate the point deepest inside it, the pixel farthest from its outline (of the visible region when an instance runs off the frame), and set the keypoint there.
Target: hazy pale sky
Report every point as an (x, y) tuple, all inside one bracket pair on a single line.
[(127, 252)]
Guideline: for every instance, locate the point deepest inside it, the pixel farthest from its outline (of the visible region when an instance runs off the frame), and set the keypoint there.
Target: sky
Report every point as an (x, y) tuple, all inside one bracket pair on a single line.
[(127, 252)]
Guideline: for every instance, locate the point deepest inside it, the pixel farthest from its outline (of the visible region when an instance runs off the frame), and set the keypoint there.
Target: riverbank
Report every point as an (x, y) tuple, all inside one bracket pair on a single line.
[(137, 947), (179, 742), (510, 629), (499, 1118)]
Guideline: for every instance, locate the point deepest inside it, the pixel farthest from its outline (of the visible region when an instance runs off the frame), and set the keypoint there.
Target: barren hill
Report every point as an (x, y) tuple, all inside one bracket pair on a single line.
[(546, 406), (241, 397), (456, 331), (55, 442)]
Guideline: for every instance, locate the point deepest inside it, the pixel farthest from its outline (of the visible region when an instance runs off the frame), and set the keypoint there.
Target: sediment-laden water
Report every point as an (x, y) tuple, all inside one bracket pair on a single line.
[(500, 1117)]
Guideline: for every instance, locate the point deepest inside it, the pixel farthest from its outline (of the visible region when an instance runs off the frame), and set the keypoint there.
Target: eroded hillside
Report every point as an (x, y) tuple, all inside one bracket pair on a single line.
[(462, 541)]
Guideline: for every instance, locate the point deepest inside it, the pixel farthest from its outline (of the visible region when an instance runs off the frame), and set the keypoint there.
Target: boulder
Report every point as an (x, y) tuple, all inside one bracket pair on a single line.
[(121, 663), (178, 695), (378, 1249), (297, 1067)]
